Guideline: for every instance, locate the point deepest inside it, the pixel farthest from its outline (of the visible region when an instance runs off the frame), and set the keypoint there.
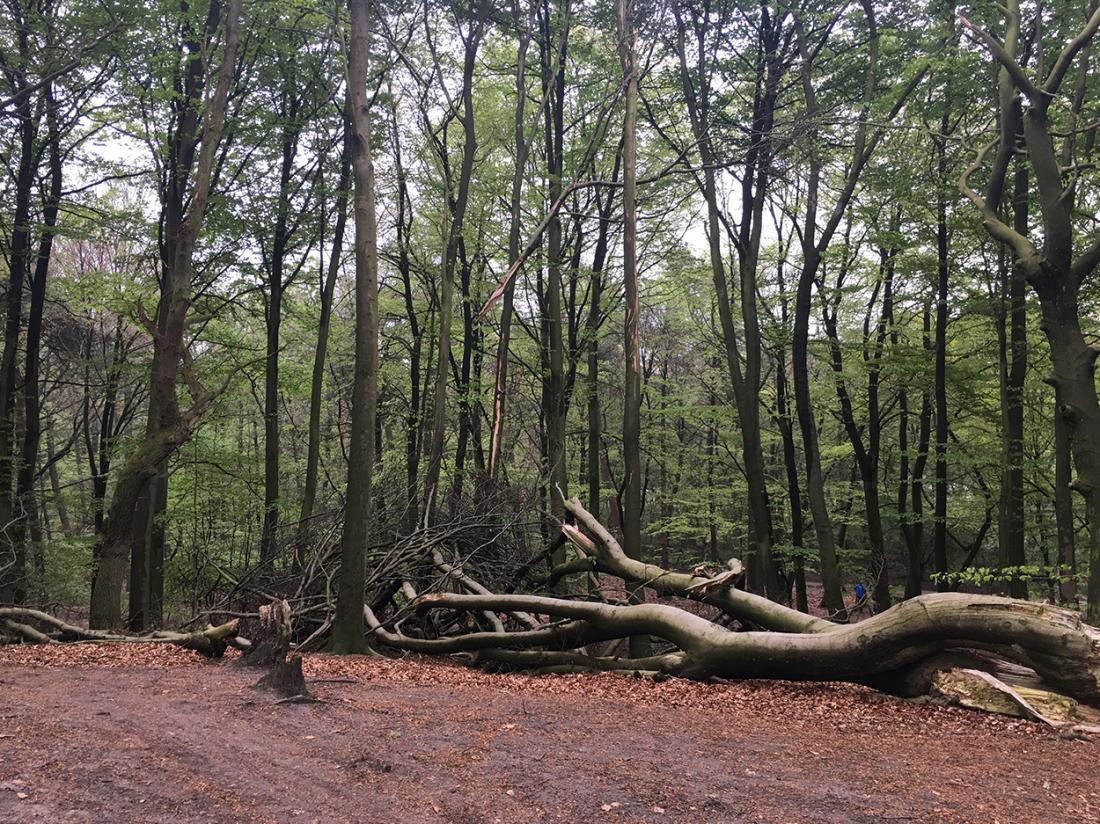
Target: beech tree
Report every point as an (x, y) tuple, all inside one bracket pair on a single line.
[(1065, 259), (347, 625), (170, 426)]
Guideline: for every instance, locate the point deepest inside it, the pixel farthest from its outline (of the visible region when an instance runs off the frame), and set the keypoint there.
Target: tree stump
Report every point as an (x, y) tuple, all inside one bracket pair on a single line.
[(271, 648), (271, 640), (285, 678)]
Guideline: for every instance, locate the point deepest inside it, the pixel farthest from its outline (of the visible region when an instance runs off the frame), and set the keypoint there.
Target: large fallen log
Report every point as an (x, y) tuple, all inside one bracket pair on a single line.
[(938, 643), (1054, 642), (211, 641)]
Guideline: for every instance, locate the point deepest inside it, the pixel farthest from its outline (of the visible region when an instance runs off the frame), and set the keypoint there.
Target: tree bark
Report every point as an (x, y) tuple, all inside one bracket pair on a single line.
[(632, 344), (325, 294), (1011, 521), (522, 151), (1057, 269), (454, 215), (347, 625), (32, 419), (12, 586)]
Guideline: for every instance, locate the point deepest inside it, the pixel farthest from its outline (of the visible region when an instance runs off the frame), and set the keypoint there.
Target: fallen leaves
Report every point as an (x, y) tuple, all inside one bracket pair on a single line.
[(848, 709), (93, 654)]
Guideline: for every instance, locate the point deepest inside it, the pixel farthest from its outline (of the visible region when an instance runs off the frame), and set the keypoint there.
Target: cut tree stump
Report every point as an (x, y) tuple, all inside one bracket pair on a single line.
[(271, 648), (285, 678)]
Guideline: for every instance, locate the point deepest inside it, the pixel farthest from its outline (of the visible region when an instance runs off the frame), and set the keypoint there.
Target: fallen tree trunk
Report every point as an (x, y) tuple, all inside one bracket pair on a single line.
[(901, 650), (211, 641), (1052, 641)]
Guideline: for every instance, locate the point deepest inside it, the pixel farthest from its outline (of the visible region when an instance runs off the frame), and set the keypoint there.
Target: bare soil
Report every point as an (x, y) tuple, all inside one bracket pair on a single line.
[(145, 733)]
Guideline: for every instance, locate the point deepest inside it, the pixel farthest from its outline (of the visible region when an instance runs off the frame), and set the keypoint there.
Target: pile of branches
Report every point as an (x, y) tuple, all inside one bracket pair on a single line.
[(1029, 659), (487, 538)]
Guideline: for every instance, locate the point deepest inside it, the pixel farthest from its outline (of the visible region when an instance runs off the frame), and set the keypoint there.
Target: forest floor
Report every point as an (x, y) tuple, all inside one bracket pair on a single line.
[(152, 733)]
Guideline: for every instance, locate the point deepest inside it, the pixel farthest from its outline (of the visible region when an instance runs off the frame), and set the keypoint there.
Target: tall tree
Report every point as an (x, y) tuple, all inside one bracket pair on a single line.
[(172, 426), (347, 624), (632, 343), (1067, 257), (456, 199)]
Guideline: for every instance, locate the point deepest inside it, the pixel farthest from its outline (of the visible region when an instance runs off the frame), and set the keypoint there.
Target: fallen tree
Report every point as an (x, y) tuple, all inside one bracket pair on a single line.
[(925, 644), (36, 627)]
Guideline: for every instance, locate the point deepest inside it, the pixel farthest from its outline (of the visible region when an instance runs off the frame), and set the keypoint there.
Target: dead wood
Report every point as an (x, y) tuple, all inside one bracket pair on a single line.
[(900, 650), (211, 641)]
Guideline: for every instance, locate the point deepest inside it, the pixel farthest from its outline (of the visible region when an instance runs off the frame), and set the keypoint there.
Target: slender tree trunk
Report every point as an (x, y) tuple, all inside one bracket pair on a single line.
[(348, 624), (454, 214), (592, 331), (763, 574), (32, 426), (414, 419), (500, 377), (1011, 521), (815, 482), (911, 472), (320, 352), (19, 265), (555, 402), (268, 548), (939, 538), (1063, 508), (274, 317), (55, 489), (632, 381)]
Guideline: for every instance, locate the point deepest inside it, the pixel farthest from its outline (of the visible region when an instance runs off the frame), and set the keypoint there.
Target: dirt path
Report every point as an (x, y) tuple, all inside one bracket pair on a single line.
[(140, 734)]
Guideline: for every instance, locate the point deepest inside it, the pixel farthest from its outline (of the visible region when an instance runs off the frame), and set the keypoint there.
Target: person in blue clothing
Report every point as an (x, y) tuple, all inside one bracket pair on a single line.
[(863, 602)]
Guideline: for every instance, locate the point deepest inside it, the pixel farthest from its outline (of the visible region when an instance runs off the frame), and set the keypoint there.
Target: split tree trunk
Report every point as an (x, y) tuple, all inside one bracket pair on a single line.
[(170, 428)]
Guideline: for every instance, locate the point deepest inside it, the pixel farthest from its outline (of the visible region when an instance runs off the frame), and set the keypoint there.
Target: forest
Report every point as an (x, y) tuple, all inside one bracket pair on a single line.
[(687, 340), (683, 338)]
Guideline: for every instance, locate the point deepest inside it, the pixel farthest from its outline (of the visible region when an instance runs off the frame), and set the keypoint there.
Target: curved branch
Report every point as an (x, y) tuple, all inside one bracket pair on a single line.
[(478, 589), (1002, 56), (734, 602)]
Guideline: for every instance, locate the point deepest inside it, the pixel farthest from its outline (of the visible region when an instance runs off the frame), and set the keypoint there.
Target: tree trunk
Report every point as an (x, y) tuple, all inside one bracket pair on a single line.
[(763, 572), (12, 587), (1011, 521), (1073, 377), (32, 421), (1063, 507), (173, 427), (815, 482), (347, 624), (522, 149), (939, 529), (454, 214), (632, 380), (317, 381), (555, 400), (1056, 270)]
